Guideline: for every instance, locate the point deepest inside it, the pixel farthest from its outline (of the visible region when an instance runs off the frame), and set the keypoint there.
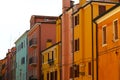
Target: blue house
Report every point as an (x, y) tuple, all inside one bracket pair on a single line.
[(21, 57)]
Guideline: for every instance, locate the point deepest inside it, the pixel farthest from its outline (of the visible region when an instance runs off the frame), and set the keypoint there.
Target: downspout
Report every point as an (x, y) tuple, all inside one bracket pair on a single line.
[(92, 41), (26, 44), (96, 50), (72, 45), (61, 48), (40, 53)]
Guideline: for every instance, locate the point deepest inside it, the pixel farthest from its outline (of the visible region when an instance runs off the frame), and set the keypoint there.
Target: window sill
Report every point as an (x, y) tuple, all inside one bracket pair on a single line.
[(115, 40), (76, 51), (103, 45)]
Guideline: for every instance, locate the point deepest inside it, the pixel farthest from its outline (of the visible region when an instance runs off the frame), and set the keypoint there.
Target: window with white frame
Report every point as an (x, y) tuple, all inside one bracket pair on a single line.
[(104, 35), (115, 29)]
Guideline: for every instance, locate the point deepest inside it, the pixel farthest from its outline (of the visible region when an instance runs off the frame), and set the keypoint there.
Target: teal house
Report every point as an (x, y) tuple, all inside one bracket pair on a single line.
[(21, 57)]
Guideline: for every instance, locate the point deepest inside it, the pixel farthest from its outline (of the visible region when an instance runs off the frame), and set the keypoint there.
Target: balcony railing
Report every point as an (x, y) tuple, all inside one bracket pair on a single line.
[(50, 61), (33, 61), (33, 77), (33, 43)]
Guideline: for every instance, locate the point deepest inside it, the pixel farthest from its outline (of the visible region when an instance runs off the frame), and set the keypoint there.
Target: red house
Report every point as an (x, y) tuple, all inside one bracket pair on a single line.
[(42, 29)]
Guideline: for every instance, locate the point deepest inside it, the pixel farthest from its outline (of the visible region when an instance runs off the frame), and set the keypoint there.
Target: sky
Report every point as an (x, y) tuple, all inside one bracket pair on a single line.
[(15, 18)]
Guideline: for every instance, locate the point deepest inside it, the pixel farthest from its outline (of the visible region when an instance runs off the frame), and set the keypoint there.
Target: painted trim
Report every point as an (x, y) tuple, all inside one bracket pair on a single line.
[(104, 44), (115, 40), (107, 14)]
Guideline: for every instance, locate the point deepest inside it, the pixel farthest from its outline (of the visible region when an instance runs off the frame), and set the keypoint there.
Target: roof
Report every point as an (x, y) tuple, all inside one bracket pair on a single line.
[(42, 16), (21, 36), (91, 1), (51, 46), (111, 9)]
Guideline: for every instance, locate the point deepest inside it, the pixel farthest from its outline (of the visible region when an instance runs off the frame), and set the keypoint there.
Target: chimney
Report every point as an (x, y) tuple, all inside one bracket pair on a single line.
[(82, 2), (9, 50), (71, 3), (65, 5), (48, 43)]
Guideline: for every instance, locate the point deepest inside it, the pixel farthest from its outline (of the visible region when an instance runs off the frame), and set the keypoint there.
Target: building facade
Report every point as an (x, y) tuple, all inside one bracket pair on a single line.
[(42, 28), (0, 69), (11, 63), (21, 57), (51, 66), (84, 36), (67, 37), (4, 69), (108, 44)]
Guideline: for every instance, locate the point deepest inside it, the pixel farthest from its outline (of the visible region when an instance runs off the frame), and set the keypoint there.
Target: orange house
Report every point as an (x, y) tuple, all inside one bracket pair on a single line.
[(108, 44)]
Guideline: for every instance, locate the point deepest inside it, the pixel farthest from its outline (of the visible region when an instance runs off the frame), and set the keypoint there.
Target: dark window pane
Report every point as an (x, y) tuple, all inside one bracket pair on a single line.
[(89, 68), (104, 35), (55, 75), (48, 76), (116, 29), (102, 9)]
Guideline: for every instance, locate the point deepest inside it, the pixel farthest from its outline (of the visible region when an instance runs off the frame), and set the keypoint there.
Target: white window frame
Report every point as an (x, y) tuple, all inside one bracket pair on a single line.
[(104, 44), (114, 30)]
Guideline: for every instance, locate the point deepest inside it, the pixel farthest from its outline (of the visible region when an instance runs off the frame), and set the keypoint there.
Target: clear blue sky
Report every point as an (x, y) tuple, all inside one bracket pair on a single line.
[(15, 16)]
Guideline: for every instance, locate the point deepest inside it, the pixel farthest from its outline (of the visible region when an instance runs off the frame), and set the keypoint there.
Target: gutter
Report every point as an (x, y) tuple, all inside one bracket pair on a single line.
[(72, 44), (96, 49), (92, 41), (40, 56), (61, 48)]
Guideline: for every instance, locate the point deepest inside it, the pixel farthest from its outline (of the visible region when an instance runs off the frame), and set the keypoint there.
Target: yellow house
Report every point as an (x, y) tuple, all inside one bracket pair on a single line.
[(85, 66), (51, 62)]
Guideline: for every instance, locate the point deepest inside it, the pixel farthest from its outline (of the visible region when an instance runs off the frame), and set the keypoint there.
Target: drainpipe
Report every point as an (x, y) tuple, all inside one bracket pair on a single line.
[(72, 44), (61, 48), (92, 41), (40, 62), (96, 50)]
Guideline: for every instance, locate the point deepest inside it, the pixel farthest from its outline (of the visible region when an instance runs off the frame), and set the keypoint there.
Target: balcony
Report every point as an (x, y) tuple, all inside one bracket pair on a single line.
[(50, 61), (33, 77), (33, 43), (33, 61)]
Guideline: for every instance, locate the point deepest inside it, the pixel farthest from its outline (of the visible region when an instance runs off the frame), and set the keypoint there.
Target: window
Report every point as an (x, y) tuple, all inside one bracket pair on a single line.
[(48, 56), (71, 72), (89, 68), (42, 58), (55, 75), (48, 76), (51, 75), (115, 28), (76, 22), (23, 60), (74, 71), (42, 76), (52, 55), (104, 35), (76, 68), (102, 9), (22, 45), (76, 46)]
